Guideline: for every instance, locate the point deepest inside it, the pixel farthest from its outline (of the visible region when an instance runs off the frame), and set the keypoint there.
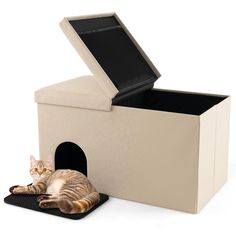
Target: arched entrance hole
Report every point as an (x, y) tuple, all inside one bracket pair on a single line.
[(69, 155)]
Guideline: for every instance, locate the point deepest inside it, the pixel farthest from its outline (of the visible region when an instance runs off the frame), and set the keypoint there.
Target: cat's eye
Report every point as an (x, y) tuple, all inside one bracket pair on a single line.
[(44, 169), (36, 169)]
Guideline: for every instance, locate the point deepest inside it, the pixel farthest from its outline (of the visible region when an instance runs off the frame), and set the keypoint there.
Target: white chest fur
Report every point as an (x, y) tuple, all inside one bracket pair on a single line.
[(55, 187)]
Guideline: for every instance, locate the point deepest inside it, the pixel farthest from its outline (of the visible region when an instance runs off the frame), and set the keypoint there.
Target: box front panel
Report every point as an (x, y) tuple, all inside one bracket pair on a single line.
[(135, 154)]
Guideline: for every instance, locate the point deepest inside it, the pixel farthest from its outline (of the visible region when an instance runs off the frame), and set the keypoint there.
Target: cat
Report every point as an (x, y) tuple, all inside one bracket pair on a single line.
[(68, 190)]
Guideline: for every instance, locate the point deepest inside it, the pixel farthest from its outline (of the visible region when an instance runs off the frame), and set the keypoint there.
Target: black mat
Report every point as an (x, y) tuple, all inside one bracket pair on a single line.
[(30, 202)]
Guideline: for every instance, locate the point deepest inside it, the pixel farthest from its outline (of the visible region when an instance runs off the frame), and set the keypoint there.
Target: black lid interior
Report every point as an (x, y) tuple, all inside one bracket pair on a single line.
[(116, 53)]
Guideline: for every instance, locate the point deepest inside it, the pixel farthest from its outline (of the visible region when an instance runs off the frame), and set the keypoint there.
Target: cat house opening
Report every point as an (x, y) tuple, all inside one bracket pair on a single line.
[(69, 155)]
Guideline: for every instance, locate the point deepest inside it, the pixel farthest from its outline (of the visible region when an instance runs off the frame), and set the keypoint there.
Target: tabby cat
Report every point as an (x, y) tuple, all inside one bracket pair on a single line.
[(68, 190)]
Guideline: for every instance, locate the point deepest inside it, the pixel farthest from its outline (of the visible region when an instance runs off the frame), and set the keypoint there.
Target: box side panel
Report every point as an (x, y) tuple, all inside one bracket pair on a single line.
[(222, 141), (140, 155), (206, 157)]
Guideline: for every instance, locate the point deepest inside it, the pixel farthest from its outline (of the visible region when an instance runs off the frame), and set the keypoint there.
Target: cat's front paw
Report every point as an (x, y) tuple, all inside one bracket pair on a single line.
[(17, 189), (11, 189), (43, 197), (43, 204), (48, 204)]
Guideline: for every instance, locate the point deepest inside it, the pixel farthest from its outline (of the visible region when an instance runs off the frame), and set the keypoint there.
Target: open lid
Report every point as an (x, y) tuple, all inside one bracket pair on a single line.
[(118, 63)]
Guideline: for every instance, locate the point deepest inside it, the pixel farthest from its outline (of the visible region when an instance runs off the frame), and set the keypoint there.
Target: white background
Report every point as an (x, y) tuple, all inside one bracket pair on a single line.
[(193, 45)]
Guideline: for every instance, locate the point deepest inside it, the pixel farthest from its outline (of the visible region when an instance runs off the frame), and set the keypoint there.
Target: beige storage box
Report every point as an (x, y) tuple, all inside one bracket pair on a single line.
[(161, 147)]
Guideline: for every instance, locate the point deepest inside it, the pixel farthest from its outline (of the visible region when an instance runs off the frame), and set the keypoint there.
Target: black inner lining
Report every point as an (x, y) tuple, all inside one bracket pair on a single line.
[(115, 52), (131, 74), (94, 24), (172, 101)]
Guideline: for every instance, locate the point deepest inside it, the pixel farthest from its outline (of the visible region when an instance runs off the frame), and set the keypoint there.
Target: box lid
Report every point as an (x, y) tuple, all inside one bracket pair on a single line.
[(118, 63), (80, 92)]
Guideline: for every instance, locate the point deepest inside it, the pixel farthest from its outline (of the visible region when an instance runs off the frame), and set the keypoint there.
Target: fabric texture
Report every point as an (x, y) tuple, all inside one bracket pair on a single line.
[(82, 92)]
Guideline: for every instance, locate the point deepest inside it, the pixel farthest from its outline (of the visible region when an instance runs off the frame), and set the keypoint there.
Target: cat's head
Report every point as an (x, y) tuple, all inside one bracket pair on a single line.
[(40, 169)]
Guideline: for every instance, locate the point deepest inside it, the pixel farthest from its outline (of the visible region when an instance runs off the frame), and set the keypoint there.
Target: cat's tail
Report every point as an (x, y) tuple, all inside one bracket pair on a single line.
[(82, 205)]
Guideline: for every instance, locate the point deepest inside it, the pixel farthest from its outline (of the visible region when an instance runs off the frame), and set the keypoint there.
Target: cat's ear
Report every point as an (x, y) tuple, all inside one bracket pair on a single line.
[(50, 159), (32, 158)]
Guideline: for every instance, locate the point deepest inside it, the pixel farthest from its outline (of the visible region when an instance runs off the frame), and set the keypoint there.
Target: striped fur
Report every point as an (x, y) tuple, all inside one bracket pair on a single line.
[(68, 190), (82, 205)]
